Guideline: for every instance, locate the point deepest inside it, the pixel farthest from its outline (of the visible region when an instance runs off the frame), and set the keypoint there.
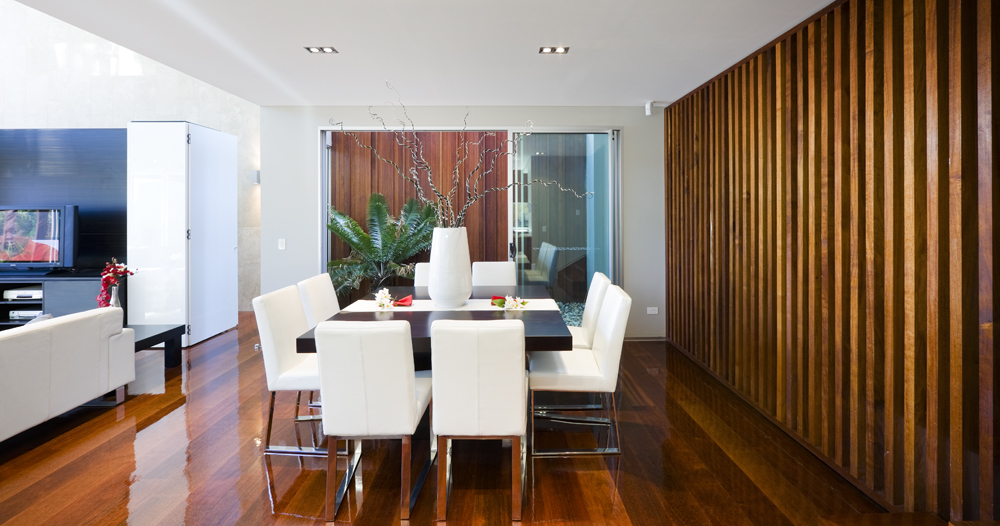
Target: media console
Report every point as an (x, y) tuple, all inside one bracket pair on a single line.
[(62, 293)]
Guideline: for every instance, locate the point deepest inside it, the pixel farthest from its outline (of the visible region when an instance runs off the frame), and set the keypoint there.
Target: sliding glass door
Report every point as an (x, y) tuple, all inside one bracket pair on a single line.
[(559, 239)]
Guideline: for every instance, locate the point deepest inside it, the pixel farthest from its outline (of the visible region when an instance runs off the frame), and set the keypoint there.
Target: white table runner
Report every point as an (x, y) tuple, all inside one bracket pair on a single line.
[(424, 305)]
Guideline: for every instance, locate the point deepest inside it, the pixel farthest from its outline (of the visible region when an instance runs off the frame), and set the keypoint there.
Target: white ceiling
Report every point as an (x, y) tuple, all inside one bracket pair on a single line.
[(442, 52)]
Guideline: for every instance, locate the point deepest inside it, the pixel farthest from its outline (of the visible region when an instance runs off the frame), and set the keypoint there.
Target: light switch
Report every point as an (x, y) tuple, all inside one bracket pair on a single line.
[(281, 244), (652, 310)]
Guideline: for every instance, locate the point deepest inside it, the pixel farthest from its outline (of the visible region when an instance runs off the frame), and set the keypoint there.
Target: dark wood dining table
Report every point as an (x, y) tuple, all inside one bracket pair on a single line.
[(544, 330)]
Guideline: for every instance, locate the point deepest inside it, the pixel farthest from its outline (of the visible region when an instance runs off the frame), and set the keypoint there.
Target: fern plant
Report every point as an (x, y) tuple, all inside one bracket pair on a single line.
[(377, 255)]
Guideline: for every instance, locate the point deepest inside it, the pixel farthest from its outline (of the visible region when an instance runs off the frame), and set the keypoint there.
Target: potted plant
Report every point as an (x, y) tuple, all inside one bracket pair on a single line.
[(378, 254)]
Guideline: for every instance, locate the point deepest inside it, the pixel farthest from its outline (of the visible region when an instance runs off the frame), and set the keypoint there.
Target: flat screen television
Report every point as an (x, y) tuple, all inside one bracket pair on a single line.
[(38, 237)]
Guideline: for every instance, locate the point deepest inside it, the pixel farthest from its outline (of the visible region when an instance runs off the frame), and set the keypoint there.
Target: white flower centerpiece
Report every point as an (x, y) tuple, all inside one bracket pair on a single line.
[(509, 303), (383, 299)]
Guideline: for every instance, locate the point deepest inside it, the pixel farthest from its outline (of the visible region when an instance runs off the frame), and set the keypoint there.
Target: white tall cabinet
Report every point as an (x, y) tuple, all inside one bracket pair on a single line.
[(182, 238)]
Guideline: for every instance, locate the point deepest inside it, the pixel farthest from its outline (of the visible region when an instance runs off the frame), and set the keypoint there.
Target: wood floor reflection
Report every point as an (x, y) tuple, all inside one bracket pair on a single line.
[(185, 448)]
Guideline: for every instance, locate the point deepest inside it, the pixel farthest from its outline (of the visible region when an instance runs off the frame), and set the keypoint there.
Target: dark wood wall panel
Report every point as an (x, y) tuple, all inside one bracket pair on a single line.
[(831, 239), (356, 173)]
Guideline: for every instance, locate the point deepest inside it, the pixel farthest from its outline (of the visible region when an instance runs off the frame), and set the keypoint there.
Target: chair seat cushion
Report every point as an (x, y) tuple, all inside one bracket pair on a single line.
[(304, 376), (574, 370), (580, 340), (422, 387)]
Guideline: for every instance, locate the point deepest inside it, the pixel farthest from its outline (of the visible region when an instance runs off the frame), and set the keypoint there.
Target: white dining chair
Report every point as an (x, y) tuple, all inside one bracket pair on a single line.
[(367, 369), (480, 392), (319, 299), (421, 274), (546, 272), (280, 320), (537, 272), (593, 370), (583, 336), (494, 274)]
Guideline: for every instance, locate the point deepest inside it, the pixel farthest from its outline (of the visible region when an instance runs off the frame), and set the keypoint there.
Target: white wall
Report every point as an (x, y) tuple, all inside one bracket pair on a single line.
[(291, 200), (54, 75)]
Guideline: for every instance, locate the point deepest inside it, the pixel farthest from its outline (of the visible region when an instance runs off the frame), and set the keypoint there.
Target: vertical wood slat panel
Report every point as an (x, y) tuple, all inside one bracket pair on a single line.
[(782, 381), (937, 287), (830, 244), (985, 196)]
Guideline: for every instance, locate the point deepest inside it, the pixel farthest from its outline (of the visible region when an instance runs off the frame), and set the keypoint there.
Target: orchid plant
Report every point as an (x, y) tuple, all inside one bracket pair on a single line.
[(448, 207)]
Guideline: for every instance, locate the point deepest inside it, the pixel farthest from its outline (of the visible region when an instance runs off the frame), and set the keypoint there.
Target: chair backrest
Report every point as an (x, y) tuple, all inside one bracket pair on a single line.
[(595, 297), (421, 274), (480, 387), (550, 265), (280, 320), (494, 274), (610, 335), (319, 299), (543, 254), (366, 378)]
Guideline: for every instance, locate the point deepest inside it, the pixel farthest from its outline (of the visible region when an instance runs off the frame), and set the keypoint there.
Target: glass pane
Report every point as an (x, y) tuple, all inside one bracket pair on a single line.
[(560, 239)]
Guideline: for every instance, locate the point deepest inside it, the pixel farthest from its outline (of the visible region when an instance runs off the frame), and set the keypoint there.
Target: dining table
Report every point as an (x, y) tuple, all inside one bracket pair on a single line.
[(544, 328)]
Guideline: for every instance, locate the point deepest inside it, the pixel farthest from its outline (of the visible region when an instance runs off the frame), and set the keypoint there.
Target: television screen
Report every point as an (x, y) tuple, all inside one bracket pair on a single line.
[(30, 236)]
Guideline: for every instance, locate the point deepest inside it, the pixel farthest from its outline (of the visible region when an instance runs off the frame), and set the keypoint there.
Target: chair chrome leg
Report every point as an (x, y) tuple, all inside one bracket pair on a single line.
[(516, 478), (444, 477), (580, 420), (404, 483), (297, 451), (270, 419), (335, 492)]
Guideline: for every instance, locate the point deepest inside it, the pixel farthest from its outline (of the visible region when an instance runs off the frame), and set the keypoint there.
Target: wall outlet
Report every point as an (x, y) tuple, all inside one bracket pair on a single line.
[(281, 244), (652, 310), (545, 228)]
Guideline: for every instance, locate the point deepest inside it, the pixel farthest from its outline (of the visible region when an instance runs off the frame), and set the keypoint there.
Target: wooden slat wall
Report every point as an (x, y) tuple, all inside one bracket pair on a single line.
[(356, 173), (831, 240)]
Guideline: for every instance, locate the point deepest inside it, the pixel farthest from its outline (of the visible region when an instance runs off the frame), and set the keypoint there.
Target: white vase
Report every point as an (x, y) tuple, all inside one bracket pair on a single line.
[(450, 283)]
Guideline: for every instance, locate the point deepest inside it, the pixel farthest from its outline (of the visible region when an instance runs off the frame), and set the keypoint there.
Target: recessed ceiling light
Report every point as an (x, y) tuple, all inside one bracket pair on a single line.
[(545, 50), (553, 50), (323, 49)]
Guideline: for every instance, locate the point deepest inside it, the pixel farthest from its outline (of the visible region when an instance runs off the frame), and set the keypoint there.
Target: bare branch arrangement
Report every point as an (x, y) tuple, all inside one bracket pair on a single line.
[(446, 204)]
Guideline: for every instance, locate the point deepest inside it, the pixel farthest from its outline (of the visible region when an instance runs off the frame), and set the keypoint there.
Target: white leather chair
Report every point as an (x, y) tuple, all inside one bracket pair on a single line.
[(494, 274), (421, 274), (480, 392), (319, 299), (585, 370), (537, 272), (583, 336), (369, 365), (545, 274), (280, 319)]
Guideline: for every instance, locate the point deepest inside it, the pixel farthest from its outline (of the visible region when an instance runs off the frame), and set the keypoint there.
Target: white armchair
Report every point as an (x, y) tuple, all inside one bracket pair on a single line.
[(494, 274), (480, 392), (585, 370), (369, 365)]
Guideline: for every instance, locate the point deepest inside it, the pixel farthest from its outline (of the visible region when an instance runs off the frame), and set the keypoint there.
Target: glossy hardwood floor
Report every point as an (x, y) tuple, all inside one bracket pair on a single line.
[(185, 448)]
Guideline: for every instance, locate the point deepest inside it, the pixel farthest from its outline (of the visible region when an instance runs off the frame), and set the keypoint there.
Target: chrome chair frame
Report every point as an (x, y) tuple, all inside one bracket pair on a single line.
[(548, 412)]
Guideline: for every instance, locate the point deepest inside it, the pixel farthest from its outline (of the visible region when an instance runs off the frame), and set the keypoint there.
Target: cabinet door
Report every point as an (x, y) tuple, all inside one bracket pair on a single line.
[(213, 255), (157, 222)]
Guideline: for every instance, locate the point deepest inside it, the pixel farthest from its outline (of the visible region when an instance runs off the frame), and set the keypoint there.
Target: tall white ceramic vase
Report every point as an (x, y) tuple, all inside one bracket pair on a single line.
[(450, 282)]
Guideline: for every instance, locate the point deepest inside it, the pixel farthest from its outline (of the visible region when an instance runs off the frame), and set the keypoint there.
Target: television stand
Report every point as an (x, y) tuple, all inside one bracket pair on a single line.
[(63, 293)]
